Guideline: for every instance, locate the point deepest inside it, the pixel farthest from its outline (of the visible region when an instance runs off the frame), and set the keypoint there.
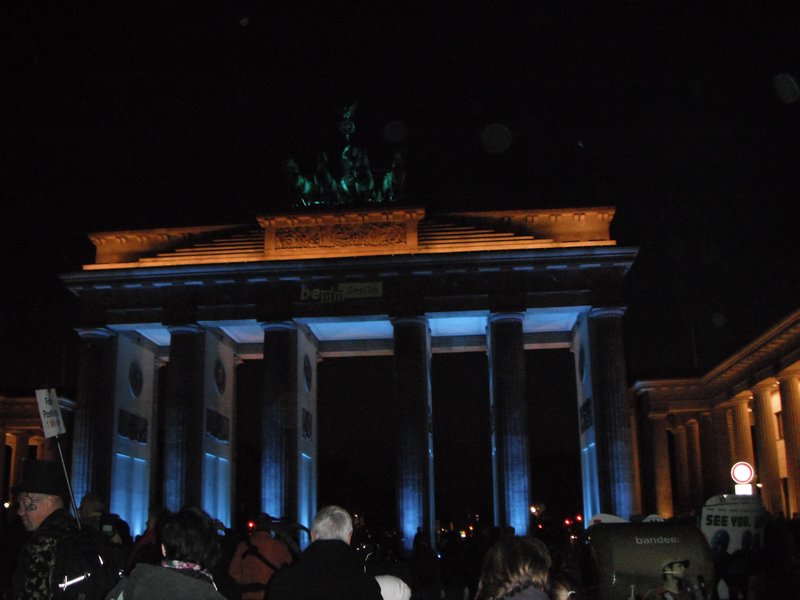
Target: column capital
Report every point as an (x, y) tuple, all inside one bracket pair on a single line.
[(768, 385), (278, 326), (742, 397), (184, 328), (604, 312), (94, 332), (789, 373), (678, 426), (498, 317), (410, 320)]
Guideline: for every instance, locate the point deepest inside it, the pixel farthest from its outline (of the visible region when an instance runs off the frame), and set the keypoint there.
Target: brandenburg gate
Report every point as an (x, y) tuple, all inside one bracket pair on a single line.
[(168, 314)]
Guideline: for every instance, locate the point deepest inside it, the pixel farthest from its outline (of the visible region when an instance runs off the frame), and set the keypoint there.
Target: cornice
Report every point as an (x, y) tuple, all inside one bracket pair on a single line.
[(756, 364)]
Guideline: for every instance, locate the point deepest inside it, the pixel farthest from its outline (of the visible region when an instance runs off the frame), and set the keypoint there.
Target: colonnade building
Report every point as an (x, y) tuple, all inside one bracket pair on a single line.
[(168, 314), (745, 409)]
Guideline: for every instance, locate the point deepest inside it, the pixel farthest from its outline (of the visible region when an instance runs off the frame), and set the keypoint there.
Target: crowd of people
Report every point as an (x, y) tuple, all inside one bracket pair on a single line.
[(187, 554)]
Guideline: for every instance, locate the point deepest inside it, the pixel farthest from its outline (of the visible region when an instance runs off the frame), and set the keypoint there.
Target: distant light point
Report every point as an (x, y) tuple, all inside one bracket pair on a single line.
[(496, 138), (719, 320), (244, 22)]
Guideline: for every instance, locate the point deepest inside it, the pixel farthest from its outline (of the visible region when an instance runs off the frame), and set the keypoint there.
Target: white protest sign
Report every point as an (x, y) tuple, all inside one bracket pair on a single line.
[(732, 522), (50, 413)]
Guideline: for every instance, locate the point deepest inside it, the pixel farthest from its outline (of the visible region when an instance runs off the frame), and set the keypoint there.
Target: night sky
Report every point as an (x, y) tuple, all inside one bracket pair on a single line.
[(126, 115)]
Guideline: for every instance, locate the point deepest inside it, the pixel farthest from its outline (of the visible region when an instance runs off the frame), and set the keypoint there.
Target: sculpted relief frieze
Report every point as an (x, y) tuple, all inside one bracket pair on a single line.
[(341, 236)]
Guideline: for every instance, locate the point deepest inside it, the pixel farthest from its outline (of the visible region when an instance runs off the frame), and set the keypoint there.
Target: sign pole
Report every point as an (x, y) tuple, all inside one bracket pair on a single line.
[(69, 485), (53, 425)]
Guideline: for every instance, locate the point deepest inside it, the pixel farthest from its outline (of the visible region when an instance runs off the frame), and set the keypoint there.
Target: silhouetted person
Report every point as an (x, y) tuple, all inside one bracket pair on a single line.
[(190, 546), (40, 500), (514, 568), (329, 569)]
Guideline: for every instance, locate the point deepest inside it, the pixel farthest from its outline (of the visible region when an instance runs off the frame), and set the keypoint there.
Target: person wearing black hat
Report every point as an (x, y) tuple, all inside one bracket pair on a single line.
[(40, 505)]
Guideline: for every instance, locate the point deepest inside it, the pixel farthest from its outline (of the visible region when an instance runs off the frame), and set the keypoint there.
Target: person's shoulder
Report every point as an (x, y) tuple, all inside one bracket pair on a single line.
[(58, 526), (169, 582), (530, 593)]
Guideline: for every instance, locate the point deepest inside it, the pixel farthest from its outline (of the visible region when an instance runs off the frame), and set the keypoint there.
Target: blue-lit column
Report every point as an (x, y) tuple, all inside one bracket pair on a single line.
[(184, 417), (94, 414), (789, 380), (412, 399), (609, 382), (278, 420), (768, 470), (509, 417)]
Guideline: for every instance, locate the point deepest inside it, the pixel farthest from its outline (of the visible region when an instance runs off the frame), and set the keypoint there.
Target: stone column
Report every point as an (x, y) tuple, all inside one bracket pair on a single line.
[(94, 414), (413, 411), (743, 437), (714, 452), (661, 466), (766, 438), (509, 418), (19, 454), (695, 462), (279, 419), (5, 493), (610, 386), (184, 418), (682, 469), (790, 405), (157, 442)]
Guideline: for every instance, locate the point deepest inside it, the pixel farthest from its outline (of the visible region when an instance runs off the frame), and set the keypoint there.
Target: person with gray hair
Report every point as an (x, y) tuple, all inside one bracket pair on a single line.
[(332, 523), (329, 569)]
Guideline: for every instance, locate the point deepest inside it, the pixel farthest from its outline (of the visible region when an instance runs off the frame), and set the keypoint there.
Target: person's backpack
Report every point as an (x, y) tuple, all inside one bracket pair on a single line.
[(87, 566)]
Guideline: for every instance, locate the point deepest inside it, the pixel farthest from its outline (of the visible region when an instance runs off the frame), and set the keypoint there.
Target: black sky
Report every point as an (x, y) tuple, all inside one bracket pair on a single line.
[(125, 115)]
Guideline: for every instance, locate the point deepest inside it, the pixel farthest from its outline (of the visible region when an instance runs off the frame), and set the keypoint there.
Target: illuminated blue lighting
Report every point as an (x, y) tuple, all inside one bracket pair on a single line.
[(216, 487), (591, 487), (410, 513), (457, 325), (130, 491), (272, 499), (352, 330), (517, 488), (307, 497)]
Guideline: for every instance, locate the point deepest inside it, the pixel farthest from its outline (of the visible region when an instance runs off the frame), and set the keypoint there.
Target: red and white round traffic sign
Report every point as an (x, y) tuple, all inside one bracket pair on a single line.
[(742, 473)]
